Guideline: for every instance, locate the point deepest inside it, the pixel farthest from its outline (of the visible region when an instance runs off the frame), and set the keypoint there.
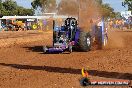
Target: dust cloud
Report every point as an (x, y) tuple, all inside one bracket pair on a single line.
[(84, 10), (88, 10), (115, 40)]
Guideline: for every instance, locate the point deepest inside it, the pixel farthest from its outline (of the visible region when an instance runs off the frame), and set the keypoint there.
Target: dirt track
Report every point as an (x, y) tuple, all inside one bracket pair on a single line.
[(25, 66)]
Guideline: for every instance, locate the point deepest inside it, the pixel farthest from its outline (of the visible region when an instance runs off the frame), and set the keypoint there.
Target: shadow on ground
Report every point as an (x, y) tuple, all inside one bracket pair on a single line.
[(35, 48), (105, 74), (40, 50)]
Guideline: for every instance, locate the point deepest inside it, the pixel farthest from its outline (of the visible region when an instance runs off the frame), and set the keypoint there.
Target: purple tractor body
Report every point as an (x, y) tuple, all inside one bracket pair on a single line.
[(69, 36)]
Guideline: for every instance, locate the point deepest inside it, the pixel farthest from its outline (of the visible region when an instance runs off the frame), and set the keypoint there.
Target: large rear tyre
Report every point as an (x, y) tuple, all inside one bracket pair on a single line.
[(84, 41)]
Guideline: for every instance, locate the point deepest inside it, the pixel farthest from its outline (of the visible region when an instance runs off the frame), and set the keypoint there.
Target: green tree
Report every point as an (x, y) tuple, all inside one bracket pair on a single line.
[(1, 6), (100, 2), (118, 15), (70, 7), (46, 5), (107, 11), (37, 3), (10, 5), (10, 8), (127, 3)]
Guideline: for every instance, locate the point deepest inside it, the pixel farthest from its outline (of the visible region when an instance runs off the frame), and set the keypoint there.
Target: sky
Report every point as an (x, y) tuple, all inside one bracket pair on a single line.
[(116, 4)]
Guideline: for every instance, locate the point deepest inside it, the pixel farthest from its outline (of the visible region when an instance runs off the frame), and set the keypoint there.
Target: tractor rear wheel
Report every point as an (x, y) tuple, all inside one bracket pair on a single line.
[(84, 41)]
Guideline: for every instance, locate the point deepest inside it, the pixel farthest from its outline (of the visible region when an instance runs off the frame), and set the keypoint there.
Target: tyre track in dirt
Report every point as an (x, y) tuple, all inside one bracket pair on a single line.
[(25, 66)]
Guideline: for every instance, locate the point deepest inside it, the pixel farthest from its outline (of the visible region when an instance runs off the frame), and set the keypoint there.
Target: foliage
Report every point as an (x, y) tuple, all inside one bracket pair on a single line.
[(37, 3), (10, 8), (67, 7), (107, 11), (99, 2), (128, 3), (46, 5)]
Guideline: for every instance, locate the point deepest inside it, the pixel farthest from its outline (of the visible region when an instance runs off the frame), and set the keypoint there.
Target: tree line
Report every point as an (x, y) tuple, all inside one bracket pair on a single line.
[(10, 8), (127, 3), (70, 6), (50, 6)]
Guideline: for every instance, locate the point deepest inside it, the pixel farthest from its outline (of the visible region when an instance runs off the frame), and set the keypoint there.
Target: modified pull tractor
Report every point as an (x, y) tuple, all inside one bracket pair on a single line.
[(69, 36)]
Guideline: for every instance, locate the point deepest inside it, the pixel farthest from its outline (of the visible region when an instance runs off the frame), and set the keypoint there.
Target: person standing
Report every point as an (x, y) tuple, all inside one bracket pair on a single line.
[(111, 24)]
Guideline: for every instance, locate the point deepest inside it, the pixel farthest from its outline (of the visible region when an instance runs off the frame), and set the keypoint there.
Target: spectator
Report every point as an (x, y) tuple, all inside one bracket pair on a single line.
[(117, 23), (120, 24), (111, 24)]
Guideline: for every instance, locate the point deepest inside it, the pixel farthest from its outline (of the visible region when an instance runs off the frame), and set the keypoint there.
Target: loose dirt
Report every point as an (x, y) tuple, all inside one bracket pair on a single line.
[(25, 65)]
